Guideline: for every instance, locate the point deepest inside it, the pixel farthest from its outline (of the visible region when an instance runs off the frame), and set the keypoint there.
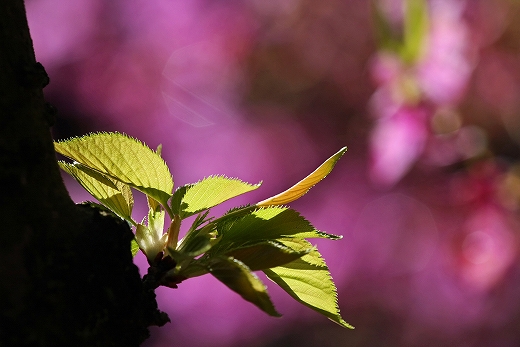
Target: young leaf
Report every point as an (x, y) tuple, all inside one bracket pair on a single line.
[(195, 230), (114, 195), (302, 187), (121, 158), (156, 222), (262, 224), (197, 245), (186, 267), (266, 255), (176, 202), (239, 278), (153, 205), (210, 192), (308, 280), (134, 247), (199, 241), (149, 240), (95, 175)]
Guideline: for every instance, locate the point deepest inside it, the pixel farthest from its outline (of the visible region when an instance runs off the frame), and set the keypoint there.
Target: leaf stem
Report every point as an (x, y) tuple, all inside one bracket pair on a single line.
[(169, 211), (131, 221), (173, 231)]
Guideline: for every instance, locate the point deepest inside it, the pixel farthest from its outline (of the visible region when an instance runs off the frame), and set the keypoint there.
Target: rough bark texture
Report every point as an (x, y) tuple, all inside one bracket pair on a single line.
[(67, 276)]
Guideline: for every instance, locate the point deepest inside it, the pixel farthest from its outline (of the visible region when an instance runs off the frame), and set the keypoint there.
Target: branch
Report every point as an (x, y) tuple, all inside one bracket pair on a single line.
[(67, 273)]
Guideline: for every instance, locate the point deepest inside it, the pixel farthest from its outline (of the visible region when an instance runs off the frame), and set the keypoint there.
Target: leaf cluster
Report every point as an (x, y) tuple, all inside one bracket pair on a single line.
[(267, 236)]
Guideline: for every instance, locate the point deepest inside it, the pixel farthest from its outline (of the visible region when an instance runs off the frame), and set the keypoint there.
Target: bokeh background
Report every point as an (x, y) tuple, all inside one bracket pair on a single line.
[(426, 95)]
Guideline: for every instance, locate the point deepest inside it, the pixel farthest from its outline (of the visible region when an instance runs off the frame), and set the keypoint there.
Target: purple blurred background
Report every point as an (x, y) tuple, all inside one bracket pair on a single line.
[(426, 197)]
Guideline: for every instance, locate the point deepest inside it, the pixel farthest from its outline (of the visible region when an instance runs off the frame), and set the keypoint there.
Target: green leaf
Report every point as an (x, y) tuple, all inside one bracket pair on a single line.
[(134, 247), (194, 228), (262, 224), (302, 187), (308, 280), (95, 175), (266, 255), (181, 259), (210, 192), (153, 205), (416, 25), (121, 158), (187, 267), (198, 241), (113, 194), (149, 238), (176, 201), (239, 278), (156, 222), (197, 245)]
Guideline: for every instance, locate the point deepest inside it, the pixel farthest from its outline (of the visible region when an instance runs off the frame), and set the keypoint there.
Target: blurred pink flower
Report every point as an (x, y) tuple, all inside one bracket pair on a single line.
[(486, 245), (437, 79), (447, 64), (487, 249), (396, 142)]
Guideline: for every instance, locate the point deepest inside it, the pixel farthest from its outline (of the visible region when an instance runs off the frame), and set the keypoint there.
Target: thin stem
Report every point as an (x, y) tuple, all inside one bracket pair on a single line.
[(169, 211), (131, 221), (173, 231)]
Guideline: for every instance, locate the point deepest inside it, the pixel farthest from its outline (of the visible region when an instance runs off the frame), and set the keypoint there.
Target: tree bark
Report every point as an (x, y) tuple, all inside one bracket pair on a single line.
[(67, 276)]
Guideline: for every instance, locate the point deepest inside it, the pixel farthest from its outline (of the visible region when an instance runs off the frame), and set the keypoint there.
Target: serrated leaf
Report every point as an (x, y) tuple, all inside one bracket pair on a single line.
[(197, 245), (121, 158), (262, 224), (266, 255), (239, 278), (96, 175), (176, 200), (210, 192), (115, 195), (308, 280), (302, 187), (198, 241)]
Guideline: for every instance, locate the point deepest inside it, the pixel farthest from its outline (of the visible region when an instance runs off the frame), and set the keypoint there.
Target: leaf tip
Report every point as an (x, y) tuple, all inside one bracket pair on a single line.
[(344, 324)]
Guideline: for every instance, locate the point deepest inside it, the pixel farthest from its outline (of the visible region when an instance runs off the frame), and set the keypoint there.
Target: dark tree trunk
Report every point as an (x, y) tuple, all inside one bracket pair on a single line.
[(67, 276)]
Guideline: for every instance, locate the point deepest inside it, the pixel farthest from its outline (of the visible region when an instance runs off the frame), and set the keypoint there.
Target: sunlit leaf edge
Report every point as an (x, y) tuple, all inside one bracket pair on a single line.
[(303, 186), (256, 293), (161, 192), (113, 195), (210, 192), (312, 261)]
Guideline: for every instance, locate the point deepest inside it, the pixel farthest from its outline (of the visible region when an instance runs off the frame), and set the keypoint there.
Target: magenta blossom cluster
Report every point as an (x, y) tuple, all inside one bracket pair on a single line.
[(415, 103)]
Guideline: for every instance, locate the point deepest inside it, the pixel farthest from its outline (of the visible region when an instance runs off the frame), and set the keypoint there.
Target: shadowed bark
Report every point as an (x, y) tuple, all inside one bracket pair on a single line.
[(67, 276)]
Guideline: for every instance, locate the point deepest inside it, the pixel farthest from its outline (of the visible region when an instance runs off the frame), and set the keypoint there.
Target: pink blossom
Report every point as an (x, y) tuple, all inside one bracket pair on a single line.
[(487, 249), (438, 78), (396, 143), (444, 70)]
